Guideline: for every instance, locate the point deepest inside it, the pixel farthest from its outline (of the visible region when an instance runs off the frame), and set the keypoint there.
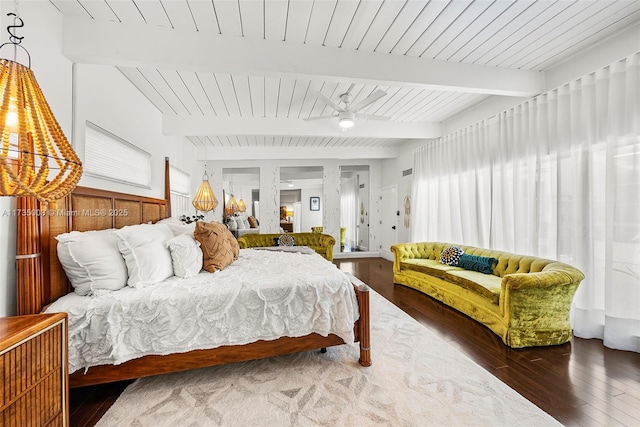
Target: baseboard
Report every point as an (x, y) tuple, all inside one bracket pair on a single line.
[(340, 255)]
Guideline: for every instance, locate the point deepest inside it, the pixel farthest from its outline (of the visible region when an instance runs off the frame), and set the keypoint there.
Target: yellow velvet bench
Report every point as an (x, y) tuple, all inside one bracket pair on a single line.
[(321, 243), (525, 301)]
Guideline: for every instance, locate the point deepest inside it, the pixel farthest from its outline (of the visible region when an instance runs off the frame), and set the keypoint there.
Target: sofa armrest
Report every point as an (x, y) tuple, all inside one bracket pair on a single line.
[(541, 279), (401, 252), (538, 301)]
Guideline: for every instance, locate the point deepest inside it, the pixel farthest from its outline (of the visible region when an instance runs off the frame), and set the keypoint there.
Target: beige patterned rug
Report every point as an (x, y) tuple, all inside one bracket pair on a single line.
[(416, 379)]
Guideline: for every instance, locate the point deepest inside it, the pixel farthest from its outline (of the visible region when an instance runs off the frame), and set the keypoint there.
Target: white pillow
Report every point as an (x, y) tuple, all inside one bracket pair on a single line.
[(240, 223), (178, 227), (92, 261), (232, 225), (145, 252), (186, 256), (245, 221)]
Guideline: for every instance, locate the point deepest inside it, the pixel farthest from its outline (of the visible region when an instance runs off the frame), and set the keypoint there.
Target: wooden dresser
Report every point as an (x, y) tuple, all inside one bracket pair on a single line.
[(33, 370)]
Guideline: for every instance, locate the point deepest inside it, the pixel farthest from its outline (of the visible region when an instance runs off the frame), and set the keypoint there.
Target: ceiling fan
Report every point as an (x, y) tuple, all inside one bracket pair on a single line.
[(349, 113)]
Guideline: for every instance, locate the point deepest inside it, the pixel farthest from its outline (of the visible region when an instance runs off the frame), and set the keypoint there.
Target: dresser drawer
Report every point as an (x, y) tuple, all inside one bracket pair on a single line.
[(33, 369)]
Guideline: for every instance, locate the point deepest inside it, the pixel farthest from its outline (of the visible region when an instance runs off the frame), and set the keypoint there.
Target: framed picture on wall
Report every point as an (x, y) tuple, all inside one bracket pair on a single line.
[(314, 203)]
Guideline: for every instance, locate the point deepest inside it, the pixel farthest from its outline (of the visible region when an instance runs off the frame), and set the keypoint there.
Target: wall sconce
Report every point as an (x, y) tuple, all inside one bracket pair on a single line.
[(36, 158)]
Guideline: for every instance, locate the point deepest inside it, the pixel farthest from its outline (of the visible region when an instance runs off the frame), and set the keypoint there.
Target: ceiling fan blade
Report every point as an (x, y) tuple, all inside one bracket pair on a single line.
[(372, 117), (351, 88), (320, 117), (329, 102), (368, 100)]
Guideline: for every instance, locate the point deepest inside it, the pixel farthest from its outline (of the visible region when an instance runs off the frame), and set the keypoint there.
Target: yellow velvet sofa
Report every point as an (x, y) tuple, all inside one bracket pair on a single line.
[(525, 301), (343, 233), (321, 243)]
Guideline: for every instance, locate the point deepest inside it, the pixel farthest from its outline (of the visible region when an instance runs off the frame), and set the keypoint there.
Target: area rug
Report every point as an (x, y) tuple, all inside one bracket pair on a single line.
[(416, 379)]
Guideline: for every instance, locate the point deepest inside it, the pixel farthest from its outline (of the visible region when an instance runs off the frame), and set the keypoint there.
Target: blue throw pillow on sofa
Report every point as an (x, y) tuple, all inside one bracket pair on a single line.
[(477, 263)]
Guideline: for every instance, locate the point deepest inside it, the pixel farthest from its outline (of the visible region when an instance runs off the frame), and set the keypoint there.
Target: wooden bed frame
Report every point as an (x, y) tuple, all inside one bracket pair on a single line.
[(41, 280)]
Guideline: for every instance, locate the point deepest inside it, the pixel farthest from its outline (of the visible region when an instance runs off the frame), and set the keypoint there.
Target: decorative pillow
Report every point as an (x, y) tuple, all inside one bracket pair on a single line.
[(178, 227), (285, 240), (92, 261), (477, 263), (451, 255), (144, 248), (232, 224), (240, 222), (219, 247), (186, 256), (253, 222)]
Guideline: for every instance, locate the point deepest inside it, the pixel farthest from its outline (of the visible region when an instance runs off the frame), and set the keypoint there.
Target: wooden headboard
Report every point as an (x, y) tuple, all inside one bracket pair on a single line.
[(40, 278)]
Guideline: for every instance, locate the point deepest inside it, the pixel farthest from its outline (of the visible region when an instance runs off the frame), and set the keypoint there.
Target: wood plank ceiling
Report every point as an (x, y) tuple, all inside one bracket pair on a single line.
[(521, 35)]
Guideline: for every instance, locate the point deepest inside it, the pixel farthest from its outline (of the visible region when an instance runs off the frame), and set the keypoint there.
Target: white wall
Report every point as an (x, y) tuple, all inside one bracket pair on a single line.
[(75, 94), (106, 98)]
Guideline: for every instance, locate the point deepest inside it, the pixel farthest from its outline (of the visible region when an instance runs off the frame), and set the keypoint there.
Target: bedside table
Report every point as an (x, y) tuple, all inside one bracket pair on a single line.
[(33, 370)]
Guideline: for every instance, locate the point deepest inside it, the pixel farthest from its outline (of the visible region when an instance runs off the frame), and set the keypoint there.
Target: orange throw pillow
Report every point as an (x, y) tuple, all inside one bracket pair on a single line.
[(253, 223), (218, 245)]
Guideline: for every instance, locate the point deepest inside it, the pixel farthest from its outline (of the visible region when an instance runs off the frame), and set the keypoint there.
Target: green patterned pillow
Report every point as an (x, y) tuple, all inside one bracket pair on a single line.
[(451, 255)]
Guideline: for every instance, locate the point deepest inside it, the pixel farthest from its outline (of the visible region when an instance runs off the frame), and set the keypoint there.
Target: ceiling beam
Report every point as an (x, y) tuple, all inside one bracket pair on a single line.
[(185, 125), (300, 153), (122, 44)]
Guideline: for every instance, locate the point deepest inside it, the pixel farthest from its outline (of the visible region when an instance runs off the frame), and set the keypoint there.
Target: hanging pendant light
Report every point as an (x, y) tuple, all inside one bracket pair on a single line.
[(242, 207), (204, 199), (36, 158), (232, 205)]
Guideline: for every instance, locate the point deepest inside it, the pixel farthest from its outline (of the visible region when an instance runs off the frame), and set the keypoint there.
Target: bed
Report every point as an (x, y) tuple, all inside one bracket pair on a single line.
[(41, 281)]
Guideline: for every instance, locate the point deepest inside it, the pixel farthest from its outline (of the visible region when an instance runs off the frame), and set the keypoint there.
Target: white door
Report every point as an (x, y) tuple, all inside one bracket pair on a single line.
[(389, 206)]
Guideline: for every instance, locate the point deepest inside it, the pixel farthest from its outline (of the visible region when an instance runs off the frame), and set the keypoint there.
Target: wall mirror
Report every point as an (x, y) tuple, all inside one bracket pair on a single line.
[(354, 208), (241, 199), (301, 199)]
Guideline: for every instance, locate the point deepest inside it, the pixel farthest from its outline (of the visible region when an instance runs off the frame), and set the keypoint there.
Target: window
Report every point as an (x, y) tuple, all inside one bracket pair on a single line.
[(180, 192), (109, 157)]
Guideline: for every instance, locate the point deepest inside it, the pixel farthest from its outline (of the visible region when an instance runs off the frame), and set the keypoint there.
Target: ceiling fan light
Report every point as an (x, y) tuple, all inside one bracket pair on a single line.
[(346, 122)]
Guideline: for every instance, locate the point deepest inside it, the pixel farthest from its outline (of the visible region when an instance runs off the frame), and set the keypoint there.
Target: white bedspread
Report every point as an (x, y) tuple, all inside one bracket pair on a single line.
[(263, 295)]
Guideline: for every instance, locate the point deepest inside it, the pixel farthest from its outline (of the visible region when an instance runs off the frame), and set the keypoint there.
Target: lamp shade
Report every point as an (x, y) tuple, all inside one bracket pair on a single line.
[(242, 207), (204, 199), (36, 158), (232, 205)]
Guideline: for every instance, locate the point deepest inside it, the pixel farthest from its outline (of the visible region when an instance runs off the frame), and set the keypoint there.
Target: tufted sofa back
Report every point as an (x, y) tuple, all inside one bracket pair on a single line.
[(321, 243), (508, 263)]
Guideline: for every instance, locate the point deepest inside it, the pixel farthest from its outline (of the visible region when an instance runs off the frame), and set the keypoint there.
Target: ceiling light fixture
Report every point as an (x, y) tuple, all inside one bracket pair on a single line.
[(346, 119), (204, 199), (36, 159)]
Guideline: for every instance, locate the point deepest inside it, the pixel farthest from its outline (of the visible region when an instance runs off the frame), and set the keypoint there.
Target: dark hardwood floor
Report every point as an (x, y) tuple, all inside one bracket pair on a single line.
[(581, 383)]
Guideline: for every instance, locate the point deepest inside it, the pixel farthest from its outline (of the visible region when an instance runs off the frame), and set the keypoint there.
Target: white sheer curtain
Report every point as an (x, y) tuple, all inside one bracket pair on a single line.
[(559, 177), (349, 209)]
